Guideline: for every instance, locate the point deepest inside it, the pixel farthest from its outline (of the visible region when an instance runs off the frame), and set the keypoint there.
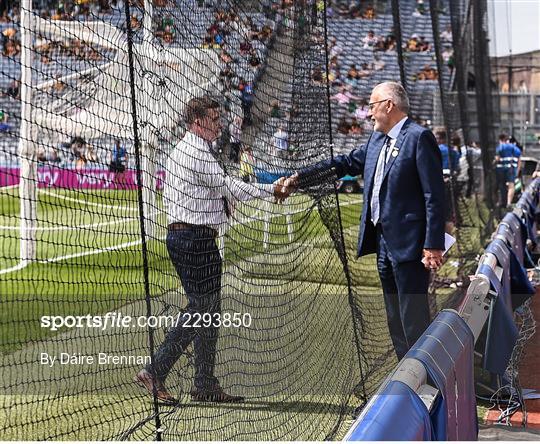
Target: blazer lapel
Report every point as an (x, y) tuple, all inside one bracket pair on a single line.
[(397, 148), (371, 163)]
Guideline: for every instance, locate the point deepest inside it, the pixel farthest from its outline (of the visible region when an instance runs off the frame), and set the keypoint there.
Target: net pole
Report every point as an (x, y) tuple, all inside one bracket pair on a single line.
[(399, 42), (27, 148), (141, 203), (150, 99)]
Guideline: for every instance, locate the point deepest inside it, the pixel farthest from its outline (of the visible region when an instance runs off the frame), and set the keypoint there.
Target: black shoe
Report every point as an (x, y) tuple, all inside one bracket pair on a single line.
[(215, 395)]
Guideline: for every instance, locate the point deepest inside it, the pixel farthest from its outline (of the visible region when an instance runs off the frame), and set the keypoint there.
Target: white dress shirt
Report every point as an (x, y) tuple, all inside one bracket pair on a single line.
[(379, 171), (195, 185)]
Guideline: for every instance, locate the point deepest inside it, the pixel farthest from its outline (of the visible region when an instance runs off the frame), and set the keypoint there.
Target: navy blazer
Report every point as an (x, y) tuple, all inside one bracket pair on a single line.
[(411, 198)]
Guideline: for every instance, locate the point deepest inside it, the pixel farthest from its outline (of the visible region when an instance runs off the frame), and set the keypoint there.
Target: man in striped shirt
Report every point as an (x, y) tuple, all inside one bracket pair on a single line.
[(197, 196)]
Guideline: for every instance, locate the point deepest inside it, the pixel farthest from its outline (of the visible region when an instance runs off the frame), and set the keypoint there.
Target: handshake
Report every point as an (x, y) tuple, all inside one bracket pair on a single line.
[(284, 186)]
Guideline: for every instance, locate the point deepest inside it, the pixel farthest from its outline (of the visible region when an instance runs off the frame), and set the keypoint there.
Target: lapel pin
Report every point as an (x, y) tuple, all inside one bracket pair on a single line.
[(395, 153)]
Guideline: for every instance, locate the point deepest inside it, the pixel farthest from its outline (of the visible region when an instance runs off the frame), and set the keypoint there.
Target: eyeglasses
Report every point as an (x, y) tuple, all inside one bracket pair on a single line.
[(370, 105)]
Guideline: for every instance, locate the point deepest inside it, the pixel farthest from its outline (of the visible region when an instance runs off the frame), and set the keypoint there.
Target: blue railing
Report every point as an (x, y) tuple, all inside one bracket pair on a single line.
[(430, 395)]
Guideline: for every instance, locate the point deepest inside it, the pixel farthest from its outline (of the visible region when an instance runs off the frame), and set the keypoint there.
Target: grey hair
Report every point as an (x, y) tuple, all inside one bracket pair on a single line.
[(397, 94)]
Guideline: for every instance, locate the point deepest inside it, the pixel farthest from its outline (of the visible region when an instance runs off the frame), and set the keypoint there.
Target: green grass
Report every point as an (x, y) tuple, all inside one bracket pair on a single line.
[(303, 325), (298, 364)]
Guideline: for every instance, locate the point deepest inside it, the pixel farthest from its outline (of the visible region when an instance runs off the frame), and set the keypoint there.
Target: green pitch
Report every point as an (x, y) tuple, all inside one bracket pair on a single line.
[(297, 365)]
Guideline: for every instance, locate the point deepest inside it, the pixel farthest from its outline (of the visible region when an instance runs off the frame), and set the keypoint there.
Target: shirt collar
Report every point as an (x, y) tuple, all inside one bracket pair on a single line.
[(396, 129), (197, 141)]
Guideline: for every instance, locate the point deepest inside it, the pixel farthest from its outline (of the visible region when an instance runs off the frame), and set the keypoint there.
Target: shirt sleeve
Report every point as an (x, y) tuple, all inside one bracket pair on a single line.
[(233, 189)]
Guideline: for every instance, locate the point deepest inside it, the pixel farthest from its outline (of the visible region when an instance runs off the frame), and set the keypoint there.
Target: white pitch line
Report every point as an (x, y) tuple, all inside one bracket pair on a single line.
[(77, 227), (24, 264), (91, 252), (17, 267), (91, 204)]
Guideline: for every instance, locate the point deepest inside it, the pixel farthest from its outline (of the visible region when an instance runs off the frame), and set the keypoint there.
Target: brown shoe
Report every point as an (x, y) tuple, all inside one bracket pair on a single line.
[(145, 379), (215, 395)]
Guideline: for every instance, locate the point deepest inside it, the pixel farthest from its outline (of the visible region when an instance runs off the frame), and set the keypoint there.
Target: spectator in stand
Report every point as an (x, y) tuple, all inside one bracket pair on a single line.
[(427, 73), (446, 35), (254, 60), (281, 142), (351, 80), (247, 163), (361, 111), (352, 72), (448, 57), (335, 48), (225, 57), (390, 43), (247, 102), (275, 109), (420, 9), (235, 130), (208, 42), (118, 163), (4, 125), (412, 43), (378, 63), (370, 40), (343, 126), (344, 96), (508, 163), (246, 47), (228, 78), (356, 128), (364, 72), (48, 154), (12, 47), (380, 45), (369, 13), (334, 64), (317, 76), (352, 10), (423, 44), (91, 155), (14, 89), (78, 149)]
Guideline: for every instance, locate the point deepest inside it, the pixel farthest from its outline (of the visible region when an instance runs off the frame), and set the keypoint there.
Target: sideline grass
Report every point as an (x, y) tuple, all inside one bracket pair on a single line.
[(289, 357)]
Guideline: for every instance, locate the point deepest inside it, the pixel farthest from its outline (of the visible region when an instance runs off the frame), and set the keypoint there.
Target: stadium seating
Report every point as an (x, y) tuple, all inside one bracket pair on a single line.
[(195, 20)]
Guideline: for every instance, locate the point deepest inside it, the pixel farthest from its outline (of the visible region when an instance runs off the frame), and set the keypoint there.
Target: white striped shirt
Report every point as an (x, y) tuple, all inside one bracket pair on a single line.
[(196, 184)]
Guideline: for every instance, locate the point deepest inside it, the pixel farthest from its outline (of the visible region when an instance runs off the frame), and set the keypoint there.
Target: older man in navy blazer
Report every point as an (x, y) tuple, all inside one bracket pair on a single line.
[(403, 212)]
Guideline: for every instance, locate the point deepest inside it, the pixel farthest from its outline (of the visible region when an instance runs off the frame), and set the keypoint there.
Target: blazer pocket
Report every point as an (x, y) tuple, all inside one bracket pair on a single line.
[(414, 216)]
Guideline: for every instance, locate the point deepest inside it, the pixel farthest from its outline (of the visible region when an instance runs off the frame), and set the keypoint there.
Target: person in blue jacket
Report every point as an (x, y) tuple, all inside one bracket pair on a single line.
[(507, 161), (403, 216)]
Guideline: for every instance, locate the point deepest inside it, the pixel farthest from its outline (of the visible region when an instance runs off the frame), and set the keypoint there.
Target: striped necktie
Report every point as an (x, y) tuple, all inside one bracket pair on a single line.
[(379, 174)]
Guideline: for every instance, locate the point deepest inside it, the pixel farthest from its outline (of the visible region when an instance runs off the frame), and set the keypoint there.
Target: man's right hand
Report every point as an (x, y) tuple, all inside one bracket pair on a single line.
[(291, 183), (280, 191)]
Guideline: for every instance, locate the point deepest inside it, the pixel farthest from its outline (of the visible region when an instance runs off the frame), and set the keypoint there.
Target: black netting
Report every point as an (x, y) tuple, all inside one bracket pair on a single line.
[(93, 119)]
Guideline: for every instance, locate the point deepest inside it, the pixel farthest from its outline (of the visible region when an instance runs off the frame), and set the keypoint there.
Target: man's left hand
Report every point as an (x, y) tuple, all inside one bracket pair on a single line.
[(432, 259)]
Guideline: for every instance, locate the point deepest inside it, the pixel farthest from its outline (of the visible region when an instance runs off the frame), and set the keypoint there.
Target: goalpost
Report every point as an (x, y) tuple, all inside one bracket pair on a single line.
[(165, 79)]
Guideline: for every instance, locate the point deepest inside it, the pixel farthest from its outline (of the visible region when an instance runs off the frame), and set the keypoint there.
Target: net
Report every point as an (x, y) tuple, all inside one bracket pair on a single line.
[(104, 88)]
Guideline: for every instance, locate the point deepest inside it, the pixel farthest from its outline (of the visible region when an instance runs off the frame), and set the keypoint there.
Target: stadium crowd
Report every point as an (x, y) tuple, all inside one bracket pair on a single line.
[(242, 43)]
